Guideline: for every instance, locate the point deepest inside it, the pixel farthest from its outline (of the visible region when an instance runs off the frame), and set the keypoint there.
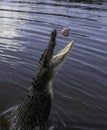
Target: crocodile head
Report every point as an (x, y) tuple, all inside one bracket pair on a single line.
[(50, 63)]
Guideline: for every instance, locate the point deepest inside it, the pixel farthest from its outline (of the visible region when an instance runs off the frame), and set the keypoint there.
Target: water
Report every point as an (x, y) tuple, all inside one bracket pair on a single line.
[(80, 88)]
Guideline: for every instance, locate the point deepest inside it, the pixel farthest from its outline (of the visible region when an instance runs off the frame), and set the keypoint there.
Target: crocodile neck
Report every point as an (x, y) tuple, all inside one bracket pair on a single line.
[(34, 110)]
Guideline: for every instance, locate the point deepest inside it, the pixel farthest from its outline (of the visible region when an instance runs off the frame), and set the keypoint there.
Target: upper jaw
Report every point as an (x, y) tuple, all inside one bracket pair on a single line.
[(48, 52)]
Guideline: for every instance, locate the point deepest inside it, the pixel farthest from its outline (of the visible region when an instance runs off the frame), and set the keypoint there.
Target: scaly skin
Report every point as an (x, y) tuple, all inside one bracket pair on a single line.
[(33, 112), (35, 108)]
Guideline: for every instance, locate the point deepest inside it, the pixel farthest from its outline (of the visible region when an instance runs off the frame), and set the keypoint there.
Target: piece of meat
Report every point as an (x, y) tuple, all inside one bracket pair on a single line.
[(65, 31)]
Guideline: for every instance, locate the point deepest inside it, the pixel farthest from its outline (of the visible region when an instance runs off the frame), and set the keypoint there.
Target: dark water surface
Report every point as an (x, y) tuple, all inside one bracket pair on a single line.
[(80, 88)]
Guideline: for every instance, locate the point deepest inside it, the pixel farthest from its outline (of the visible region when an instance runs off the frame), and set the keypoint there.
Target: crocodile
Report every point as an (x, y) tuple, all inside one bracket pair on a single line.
[(33, 112)]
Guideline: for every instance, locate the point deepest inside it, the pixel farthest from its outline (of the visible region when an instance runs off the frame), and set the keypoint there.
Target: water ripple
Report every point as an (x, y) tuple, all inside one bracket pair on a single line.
[(80, 88)]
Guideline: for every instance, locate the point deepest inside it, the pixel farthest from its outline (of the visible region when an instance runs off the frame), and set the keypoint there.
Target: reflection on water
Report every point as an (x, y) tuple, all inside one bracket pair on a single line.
[(80, 88)]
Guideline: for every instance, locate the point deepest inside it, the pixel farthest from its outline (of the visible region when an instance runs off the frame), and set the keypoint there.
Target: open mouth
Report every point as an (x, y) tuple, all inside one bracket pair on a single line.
[(64, 52)]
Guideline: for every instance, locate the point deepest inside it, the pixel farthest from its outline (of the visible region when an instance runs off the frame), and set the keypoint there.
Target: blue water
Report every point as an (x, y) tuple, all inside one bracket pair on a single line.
[(80, 88)]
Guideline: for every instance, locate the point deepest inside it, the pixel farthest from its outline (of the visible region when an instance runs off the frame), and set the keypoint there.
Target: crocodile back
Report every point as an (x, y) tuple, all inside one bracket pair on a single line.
[(33, 112)]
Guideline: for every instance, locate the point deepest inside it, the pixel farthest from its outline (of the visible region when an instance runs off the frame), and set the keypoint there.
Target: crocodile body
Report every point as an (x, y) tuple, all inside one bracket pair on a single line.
[(33, 112)]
